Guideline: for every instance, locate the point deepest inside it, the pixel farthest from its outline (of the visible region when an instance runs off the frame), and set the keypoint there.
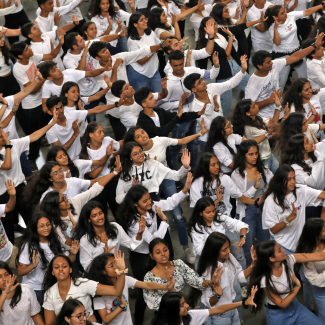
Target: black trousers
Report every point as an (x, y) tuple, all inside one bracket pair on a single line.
[(118, 128), (11, 217), (16, 21), (313, 212)]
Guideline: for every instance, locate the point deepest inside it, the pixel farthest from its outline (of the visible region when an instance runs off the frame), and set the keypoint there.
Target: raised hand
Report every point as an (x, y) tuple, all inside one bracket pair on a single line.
[(286, 111), (243, 62), (262, 18), (258, 177), (276, 22), (253, 255), (180, 108), (219, 194), (186, 158), (227, 31), (122, 100), (118, 165), (217, 274), (57, 18), (319, 40), (203, 129), (135, 180), (10, 185), (131, 4), (10, 284), (293, 214), (250, 300), (202, 111), (110, 149), (184, 97), (163, 83), (123, 32), (209, 28), (5, 136), (174, 19), (108, 249), (188, 183), (75, 20), (142, 224), (35, 259), (74, 247), (215, 59), (75, 127), (119, 260), (61, 35)]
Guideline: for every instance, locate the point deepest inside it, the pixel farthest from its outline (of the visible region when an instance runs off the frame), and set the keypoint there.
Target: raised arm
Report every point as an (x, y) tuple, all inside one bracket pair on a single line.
[(39, 133)]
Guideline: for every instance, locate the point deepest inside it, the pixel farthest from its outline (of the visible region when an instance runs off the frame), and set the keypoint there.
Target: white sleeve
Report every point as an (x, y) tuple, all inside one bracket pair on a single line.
[(175, 175), (133, 56), (51, 136), (315, 278), (22, 144), (7, 11), (125, 240), (121, 190), (198, 241), (86, 255), (171, 202), (35, 307), (229, 84), (195, 193), (269, 214), (147, 236), (316, 74), (46, 91), (233, 225), (222, 154), (124, 16), (65, 9)]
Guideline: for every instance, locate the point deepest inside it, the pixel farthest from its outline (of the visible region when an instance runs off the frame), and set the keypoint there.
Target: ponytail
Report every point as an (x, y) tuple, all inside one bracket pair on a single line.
[(91, 128)]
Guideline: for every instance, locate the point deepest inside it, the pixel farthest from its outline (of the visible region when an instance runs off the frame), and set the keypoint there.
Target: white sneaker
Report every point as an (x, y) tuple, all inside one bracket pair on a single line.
[(189, 256)]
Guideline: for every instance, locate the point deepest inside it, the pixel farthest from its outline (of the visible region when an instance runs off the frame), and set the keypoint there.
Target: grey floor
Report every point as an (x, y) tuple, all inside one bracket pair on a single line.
[(30, 8)]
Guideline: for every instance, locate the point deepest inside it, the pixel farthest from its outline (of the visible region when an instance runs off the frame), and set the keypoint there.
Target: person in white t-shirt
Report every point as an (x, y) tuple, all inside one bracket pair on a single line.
[(39, 245), (18, 303), (274, 276)]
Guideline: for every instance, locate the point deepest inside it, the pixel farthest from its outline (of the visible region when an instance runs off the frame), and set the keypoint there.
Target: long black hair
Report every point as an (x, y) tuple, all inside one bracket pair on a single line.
[(51, 156), (294, 153), (269, 13), (84, 226), (152, 3), (96, 271), (319, 27), (6, 53), (128, 212), (263, 268), (169, 311), (240, 119), (39, 184), (278, 187), (217, 13), (154, 19), (69, 306), (17, 295), (240, 158), (217, 134), (91, 128), (64, 90), (202, 170), (202, 33), (95, 9), (31, 239), (132, 30), (197, 222)]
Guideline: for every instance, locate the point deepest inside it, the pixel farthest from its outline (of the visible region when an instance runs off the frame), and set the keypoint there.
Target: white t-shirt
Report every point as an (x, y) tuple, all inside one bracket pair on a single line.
[(171, 31), (273, 214), (5, 244), (19, 8), (50, 89), (312, 128), (198, 316), (84, 167), (74, 187), (159, 148), (101, 152), (27, 307), (129, 114), (11, 127), (288, 33), (25, 74), (149, 68), (156, 119), (223, 154), (281, 283), (64, 133), (261, 88), (15, 173), (5, 68), (108, 302)]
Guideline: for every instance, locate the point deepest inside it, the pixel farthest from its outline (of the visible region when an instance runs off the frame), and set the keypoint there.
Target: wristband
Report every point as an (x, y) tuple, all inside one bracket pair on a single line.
[(212, 38), (114, 172), (242, 236), (217, 296), (6, 294), (121, 272), (161, 45), (267, 135), (8, 146), (116, 104), (279, 108), (314, 46), (286, 7), (255, 203), (69, 233)]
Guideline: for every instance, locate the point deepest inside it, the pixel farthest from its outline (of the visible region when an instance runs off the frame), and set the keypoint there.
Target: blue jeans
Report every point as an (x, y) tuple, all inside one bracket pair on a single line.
[(319, 294), (138, 80), (294, 314), (271, 163), (226, 97), (121, 46), (253, 217), (92, 118), (142, 10), (168, 189), (237, 252), (230, 317), (25, 165), (181, 131), (39, 296), (202, 145)]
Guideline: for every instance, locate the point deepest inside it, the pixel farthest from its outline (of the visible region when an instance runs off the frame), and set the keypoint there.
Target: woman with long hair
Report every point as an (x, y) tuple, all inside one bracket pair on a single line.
[(216, 255), (274, 276), (18, 303), (312, 240), (248, 123), (303, 99), (308, 165), (65, 212), (174, 310), (252, 178), (39, 245), (206, 219), (318, 28), (61, 283), (137, 205), (103, 270)]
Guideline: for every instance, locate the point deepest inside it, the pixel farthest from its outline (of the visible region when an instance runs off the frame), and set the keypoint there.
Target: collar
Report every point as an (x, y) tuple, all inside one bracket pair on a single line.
[(318, 61)]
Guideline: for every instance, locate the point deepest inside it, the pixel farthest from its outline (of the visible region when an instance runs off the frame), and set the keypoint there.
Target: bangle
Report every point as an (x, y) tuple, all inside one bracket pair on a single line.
[(313, 114), (4, 104), (121, 272), (278, 108), (212, 38), (6, 294), (84, 55), (115, 172), (217, 296)]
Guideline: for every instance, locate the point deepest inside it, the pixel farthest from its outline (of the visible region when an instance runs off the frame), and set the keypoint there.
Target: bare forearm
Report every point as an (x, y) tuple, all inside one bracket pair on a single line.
[(69, 143), (95, 72), (11, 203), (276, 37), (146, 59), (99, 95), (278, 227), (311, 10), (110, 316), (265, 102), (188, 139), (25, 270), (7, 120), (7, 164), (229, 47), (72, 257), (39, 133), (67, 27), (38, 320), (177, 31), (82, 64), (38, 86), (114, 74)]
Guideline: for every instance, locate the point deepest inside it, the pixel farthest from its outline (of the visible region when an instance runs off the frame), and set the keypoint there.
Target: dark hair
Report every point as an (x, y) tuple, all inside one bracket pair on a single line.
[(176, 55), (39, 184), (84, 29), (319, 11), (71, 40), (127, 212), (154, 20), (201, 37), (217, 13), (156, 241), (52, 101), (6, 53), (117, 87), (152, 3), (168, 48), (17, 49), (289, 127), (263, 268), (197, 222), (132, 30), (51, 156), (69, 306), (269, 13), (240, 119), (31, 238), (319, 27), (217, 134), (84, 227), (142, 94), (26, 30), (169, 311), (41, 2), (96, 47), (91, 128), (190, 80), (192, 3), (240, 160), (259, 58), (65, 89), (45, 68), (95, 9), (130, 134), (307, 43), (17, 295), (278, 187), (96, 271)]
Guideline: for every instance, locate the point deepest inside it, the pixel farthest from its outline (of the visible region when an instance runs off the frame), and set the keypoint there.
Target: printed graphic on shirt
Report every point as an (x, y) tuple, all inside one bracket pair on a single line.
[(116, 302), (221, 208), (289, 27), (3, 236), (31, 72)]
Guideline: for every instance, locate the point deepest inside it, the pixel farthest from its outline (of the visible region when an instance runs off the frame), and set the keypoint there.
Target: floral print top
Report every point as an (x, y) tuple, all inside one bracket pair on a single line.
[(182, 274)]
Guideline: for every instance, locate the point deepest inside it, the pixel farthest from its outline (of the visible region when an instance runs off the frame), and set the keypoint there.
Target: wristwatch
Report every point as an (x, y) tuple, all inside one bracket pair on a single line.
[(8, 146), (287, 222), (242, 236), (116, 104)]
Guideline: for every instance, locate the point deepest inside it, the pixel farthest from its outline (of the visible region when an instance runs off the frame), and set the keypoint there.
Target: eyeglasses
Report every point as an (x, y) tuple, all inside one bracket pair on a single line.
[(82, 316), (64, 198), (135, 154), (48, 225), (229, 126), (142, 20), (57, 172)]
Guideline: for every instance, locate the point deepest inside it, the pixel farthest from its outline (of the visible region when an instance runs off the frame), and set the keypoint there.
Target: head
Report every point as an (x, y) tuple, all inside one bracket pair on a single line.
[(174, 46), (46, 5), (54, 105), (138, 23), (31, 31), (299, 92), (137, 134), (94, 134), (132, 153), (317, 53), (102, 269), (99, 51), (275, 11), (195, 83), (89, 31), (70, 92), (50, 71), (103, 7), (159, 251), (21, 51), (74, 41), (60, 155), (157, 18), (61, 267), (176, 61), (207, 167), (220, 13), (262, 60), (120, 87), (145, 98)]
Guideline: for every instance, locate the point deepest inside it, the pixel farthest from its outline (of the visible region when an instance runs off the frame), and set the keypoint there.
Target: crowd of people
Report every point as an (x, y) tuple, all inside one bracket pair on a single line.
[(251, 177)]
